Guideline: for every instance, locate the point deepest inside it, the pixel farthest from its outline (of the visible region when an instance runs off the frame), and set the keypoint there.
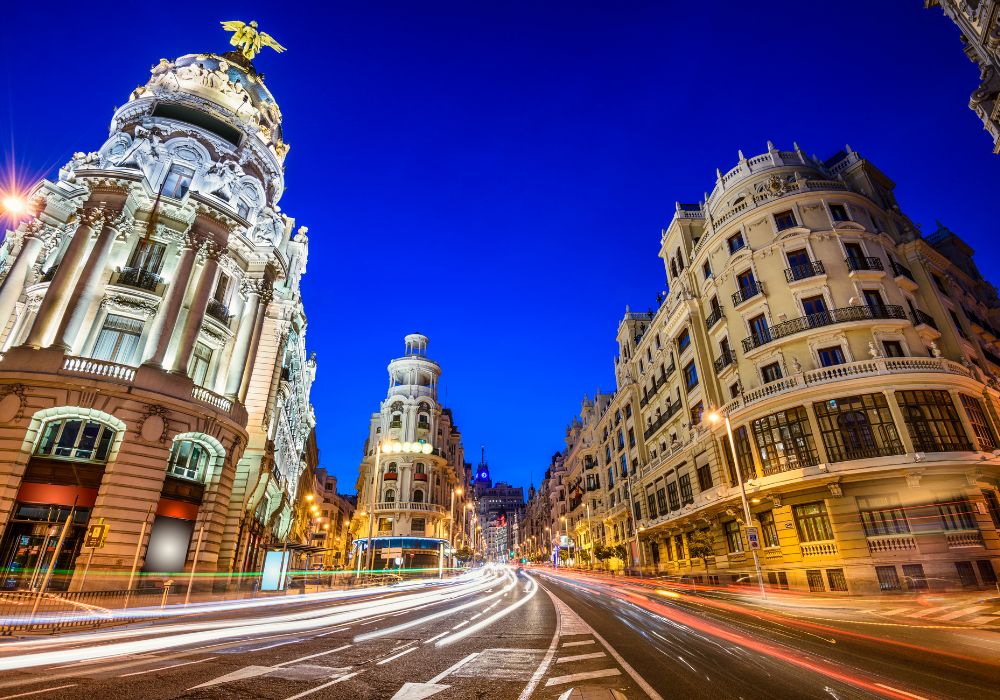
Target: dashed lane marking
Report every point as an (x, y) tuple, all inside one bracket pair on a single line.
[(971, 610), (581, 643), (396, 656), (581, 657), (166, 668), (574, 677), (341, 679)]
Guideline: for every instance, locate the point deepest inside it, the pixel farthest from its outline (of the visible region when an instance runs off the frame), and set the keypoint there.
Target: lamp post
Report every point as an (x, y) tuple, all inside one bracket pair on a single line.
[(451, 522), (715, 417), (590, 537)]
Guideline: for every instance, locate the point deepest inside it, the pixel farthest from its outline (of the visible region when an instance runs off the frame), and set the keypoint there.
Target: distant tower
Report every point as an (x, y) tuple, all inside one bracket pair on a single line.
[(483, 480)]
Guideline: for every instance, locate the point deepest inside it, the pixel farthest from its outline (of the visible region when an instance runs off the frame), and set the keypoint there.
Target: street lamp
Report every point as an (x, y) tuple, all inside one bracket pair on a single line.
[(590, 537), (714, 417)]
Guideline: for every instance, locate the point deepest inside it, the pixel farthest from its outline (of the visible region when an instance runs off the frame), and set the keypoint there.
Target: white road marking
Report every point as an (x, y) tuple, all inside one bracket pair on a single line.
[(451, 669), (238, 675), (585, 642), (36, 692), (166, 668), (574, 677), (313, 656), (963, 611), (581, 657), (341, 679), (922, 613), (436, 637), (478, 614), (396, 656), (460, 625), (894, 611), (901, 692), (418, 691)]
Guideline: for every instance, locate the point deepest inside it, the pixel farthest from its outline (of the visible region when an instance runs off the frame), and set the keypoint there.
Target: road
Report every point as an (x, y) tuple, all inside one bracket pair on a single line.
[(496, 634)]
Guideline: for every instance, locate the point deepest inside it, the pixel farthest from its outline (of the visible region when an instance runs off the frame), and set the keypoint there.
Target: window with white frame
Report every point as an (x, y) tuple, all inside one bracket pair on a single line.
[(76, 438), (201, 359), (189, 460), (118, 339)]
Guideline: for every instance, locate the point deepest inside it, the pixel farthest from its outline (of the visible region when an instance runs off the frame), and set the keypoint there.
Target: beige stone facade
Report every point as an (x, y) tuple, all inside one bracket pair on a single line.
[(154, 376), (857, 362)]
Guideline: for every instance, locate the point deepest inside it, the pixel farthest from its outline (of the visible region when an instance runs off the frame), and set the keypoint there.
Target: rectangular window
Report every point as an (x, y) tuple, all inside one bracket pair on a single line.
[(201, 359), (993, 506), (118, 339), (888, 579), (914, 576), (986, 572), (828, 357), (958, 324), (743, 452), (812, 522), (418, 526), (661, 499), (798, 259), (683, 341), (857, 427), (735, 242), (705, 479), (624, 463), (631, 437), (734, 390), (707, 269), (637, 510), (881, 516), (784, 220), (815, 308), (784, 441), (893, 348), (759, 331), (957, 515), (687, 494), (838, 212), (178, 181), (679, 546), (672, 496), (837, 580), (734, 541), (980, 425), (815, 579), (770, 373), (748, 286), (690, 375), (697, 412), (768, 530), (147, 256), (932, 421), (966, 574), (651, 504)]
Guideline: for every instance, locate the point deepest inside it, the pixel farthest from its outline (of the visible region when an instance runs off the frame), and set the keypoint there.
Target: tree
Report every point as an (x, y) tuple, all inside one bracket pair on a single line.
[(602, 553), (700, 545), (583, 555), (620, 551), (464, 554), (563, 554)]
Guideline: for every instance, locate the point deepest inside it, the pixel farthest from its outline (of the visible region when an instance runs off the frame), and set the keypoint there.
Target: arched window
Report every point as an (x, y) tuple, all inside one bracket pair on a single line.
[(421, 469), (856, 432), (392, 468), (76, 438), (418, 496), (189, 460), (390, 496)]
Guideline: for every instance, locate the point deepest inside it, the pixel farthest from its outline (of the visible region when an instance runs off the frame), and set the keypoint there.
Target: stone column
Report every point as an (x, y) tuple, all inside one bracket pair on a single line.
[(13, 284), (59, 288), (163, 325), (244, 337), (86, 285), (258, 329), (196, 312)]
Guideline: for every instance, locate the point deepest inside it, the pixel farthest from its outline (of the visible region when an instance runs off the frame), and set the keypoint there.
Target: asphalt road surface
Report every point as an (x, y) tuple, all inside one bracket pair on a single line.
[(499, 634)]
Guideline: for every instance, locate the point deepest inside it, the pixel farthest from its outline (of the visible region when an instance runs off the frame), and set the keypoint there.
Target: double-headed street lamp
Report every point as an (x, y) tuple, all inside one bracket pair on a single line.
[(387, 447), (715, 417)]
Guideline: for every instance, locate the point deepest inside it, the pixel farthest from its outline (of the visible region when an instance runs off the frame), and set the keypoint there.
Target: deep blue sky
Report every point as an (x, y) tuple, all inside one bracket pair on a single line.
[(496, 175)]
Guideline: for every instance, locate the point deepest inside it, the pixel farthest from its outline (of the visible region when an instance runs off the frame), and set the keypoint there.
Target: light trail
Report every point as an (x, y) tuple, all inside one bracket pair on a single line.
[(180, 635), (530, 592)]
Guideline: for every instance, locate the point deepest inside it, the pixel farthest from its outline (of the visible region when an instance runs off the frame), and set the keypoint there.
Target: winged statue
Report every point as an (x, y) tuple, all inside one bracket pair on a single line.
[(248, 40)]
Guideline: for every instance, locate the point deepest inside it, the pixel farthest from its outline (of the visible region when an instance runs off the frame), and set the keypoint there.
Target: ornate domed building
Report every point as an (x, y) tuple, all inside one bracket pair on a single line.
[(154, 374), (413, 471)]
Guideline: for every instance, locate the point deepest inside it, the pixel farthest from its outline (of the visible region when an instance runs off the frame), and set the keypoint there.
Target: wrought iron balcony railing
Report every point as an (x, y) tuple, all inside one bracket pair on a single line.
[(801, 272), (138, 278), (747, 291), (864, 264)]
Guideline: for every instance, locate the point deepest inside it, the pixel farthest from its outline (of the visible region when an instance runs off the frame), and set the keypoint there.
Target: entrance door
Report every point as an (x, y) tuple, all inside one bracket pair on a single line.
[(29, 543)]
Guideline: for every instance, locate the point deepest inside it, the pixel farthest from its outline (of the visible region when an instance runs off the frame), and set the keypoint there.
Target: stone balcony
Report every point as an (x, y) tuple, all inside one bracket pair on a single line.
[(388, 506), (52, 363)]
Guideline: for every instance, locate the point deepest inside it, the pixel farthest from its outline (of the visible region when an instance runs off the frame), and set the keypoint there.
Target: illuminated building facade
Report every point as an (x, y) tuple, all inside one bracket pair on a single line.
[(857, 361), (154, 374), (411, 491), (979, 22)]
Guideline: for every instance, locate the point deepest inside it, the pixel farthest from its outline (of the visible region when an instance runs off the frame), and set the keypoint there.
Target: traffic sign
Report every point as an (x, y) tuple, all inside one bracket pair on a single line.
[(96, 534), (753, 538)]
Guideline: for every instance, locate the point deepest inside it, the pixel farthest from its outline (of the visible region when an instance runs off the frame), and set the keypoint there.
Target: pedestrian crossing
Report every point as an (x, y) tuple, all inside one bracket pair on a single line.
[(960, 614)]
